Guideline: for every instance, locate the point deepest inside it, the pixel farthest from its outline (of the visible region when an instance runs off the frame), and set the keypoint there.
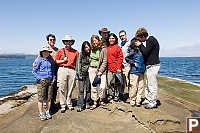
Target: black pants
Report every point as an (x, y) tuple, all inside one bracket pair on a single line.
[(84, 83)]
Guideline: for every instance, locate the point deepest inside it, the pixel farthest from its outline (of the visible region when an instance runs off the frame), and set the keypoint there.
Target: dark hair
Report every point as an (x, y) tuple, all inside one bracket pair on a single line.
[(133, 46), (122, 31), (50, 35), (116, 38), (83, 46)]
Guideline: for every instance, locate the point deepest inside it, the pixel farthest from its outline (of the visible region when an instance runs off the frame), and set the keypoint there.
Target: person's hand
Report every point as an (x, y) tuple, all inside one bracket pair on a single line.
[(80, 78), (99, 74), (34, 65), (65, 59), (119, 70)]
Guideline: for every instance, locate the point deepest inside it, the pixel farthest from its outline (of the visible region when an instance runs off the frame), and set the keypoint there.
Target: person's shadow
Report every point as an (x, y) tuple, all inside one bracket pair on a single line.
[(56, 106)]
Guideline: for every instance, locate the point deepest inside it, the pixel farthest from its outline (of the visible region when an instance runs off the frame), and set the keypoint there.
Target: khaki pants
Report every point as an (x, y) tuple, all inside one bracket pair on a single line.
[(125, 72), (66, 77), (136, 87), (151, 92), (101, 88)]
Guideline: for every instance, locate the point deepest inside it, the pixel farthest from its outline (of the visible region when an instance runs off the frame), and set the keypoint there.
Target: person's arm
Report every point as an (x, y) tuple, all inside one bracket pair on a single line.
[(57, 58), (120, 58), (103, 62), (34, 63), (146, 50), (35, 70), (129, 58), (78, 67)]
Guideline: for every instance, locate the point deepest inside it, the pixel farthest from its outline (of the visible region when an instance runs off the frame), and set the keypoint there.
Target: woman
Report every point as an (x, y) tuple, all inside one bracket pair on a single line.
[(84, 82), (115, 59), (45, 77), (136, 61), (96, 92)]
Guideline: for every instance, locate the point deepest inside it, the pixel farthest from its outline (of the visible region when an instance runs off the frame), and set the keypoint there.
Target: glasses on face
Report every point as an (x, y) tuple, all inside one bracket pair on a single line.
[(52, 39), (121, 35)]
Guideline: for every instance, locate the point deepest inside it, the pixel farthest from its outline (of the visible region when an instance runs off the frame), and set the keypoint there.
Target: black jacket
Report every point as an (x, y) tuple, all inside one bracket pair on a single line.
[(151, 51)]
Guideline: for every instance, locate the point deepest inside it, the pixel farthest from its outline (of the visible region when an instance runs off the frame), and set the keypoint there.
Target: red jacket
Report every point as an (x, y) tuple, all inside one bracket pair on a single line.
[(115, 57)]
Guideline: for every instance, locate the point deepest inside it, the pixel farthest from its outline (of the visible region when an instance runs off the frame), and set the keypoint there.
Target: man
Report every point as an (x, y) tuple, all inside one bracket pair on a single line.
[(125, 68), (66, 59), (51, 40), (104, 34), (152, 62)]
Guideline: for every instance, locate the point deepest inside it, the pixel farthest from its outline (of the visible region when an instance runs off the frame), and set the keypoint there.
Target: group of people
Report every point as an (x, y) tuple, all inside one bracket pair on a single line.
[(104, 69)]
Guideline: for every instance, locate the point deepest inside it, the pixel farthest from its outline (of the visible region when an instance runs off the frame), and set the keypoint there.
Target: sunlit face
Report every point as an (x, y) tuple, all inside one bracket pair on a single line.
[(68, 43), (87, 48), (95, 42), (104, 35), (111, 40), (45, 54), (51, 41), (123, 36)]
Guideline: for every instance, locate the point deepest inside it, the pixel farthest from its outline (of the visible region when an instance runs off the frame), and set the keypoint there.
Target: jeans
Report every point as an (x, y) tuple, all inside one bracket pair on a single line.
[(84, 83)]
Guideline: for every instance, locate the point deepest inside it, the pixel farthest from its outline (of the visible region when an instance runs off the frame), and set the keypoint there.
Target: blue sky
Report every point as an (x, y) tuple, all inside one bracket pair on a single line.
[(25, 23)]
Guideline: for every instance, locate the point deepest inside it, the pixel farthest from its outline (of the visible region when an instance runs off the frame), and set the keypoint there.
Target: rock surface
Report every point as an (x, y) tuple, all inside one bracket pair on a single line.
[(19, 114)]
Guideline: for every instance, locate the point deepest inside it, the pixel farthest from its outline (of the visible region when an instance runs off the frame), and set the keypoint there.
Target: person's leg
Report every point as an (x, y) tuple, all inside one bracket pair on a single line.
[(102, 89), (81, 94), (94, 94), (133, 88), (88, 92), (152, 73), (140, 89), (41, 94), (62, 79), (71, 73), (109, 85)]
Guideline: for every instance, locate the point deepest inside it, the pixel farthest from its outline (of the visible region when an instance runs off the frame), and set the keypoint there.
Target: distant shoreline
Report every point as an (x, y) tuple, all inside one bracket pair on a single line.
[(16, 56)]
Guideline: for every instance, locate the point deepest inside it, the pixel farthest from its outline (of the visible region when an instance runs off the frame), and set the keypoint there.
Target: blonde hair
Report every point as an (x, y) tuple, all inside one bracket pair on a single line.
[(141, 32), (99, 42)]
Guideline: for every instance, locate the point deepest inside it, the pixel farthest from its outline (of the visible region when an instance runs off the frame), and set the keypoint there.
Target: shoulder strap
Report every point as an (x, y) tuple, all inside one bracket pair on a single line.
[(64, 52)]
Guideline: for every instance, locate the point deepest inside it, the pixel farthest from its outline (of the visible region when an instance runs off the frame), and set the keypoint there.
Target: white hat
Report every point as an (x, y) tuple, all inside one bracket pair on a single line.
[(68, 38), (45, 48)]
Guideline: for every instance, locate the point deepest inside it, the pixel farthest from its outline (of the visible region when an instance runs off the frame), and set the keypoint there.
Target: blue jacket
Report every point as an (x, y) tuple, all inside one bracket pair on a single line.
[(136, 61), (44, 69)]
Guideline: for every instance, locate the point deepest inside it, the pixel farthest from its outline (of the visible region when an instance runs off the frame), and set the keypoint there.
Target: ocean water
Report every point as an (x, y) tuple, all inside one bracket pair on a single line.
[(16, 72)]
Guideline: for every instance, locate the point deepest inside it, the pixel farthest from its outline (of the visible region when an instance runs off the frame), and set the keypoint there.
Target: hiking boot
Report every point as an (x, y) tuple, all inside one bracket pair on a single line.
[(48, 115), (87, 106), (71, 108), (62, 109), (145, 102), (79, 109), (42, 116)]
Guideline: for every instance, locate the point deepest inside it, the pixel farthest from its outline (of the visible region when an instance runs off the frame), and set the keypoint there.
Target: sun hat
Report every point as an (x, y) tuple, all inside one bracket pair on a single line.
[(105, 30), (68, 38), (45, 48)]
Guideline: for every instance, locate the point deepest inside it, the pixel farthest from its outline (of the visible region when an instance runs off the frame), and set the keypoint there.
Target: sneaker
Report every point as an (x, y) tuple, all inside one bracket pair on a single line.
[(132, 103), (71, 108), (150, 106), (42, 116), (87, 106), (145, 102), (48, 115), (79, 109), (63, 110)]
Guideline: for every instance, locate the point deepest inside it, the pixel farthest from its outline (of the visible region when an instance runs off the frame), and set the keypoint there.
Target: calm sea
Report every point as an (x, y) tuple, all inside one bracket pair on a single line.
[(16, 72)]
